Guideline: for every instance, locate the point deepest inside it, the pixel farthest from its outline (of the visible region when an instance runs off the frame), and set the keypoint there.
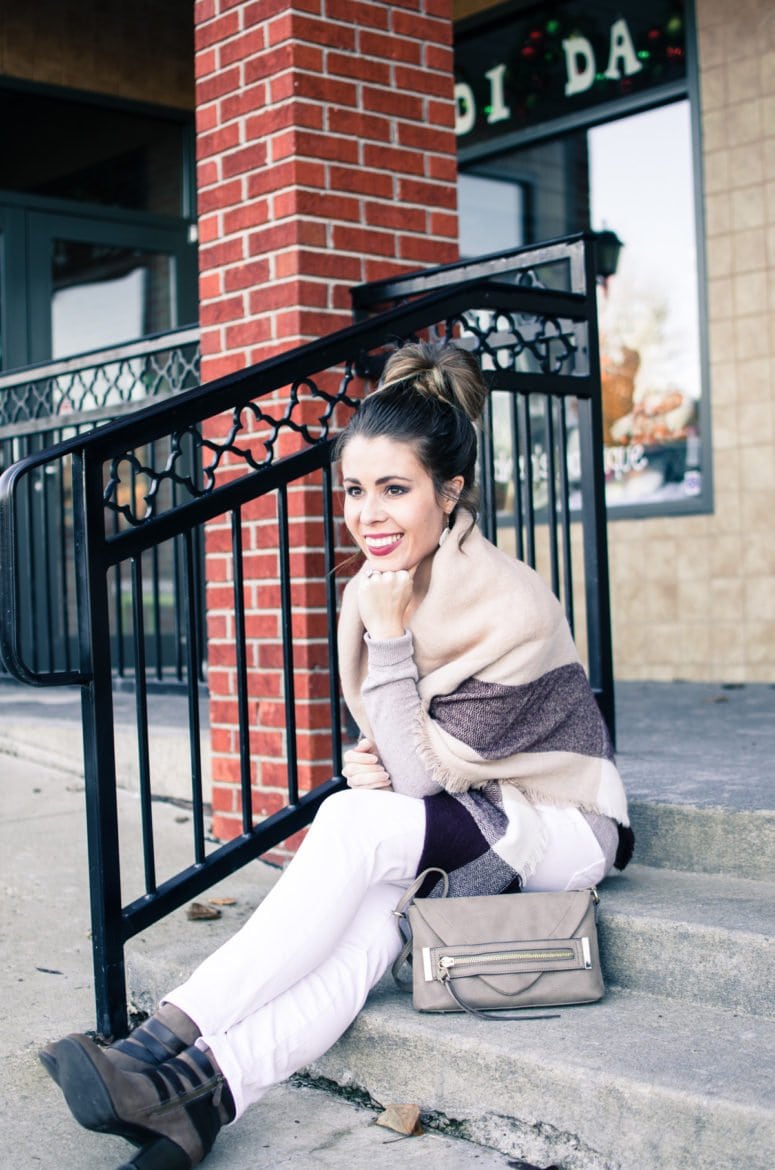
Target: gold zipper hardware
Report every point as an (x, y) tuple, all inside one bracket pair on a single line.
[(447, 962)]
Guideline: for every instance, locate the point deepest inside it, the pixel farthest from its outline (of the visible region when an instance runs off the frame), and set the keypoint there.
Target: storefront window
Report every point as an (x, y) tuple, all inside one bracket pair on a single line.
[(641, 185), (575, 120)]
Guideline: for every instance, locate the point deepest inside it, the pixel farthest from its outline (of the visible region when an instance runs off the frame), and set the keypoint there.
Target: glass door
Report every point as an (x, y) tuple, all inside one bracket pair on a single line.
[(94, 284)]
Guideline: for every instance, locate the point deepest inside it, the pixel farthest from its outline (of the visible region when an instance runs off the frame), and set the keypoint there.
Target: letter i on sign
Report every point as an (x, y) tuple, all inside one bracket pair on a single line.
[(498, 110)]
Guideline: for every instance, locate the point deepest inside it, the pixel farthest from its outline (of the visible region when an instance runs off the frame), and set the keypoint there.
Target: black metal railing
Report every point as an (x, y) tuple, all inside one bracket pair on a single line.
[(44, 405), (211, 463)]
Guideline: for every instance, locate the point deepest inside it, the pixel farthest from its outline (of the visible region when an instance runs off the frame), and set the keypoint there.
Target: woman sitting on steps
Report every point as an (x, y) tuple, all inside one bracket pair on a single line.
[(483, 752)]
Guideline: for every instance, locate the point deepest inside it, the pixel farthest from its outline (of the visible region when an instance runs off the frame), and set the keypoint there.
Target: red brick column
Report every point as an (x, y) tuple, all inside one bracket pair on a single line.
[(325, 157)]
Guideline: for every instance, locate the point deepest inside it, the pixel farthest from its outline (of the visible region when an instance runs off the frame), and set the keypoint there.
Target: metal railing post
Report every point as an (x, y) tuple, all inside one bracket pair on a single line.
[(593, 506), (99, 750)]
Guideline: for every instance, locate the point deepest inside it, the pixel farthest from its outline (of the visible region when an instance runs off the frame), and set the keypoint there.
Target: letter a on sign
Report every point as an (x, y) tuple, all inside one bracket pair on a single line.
[(622, 49), (579, 65)]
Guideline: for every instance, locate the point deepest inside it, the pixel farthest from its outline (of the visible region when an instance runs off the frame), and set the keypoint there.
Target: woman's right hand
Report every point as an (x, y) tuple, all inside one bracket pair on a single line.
[(383, 599), (363, 767)]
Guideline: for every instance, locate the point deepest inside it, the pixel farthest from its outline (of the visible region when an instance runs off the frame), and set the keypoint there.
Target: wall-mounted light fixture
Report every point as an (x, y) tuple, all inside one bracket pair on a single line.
[(607, 249)]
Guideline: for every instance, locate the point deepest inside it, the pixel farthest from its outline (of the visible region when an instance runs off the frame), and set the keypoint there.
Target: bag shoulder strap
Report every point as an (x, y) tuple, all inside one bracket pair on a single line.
[(403, 921)]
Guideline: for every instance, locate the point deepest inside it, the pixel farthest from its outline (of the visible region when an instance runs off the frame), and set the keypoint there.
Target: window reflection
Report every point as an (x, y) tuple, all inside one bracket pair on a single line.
[(634, 176), (641, 185), (104, 294)]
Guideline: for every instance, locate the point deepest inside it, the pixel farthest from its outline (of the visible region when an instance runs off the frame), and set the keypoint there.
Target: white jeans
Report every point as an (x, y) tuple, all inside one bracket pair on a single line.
[(280, 992)]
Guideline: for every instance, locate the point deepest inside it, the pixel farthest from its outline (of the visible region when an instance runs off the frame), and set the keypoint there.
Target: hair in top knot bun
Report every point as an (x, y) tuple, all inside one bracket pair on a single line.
[(429, 396), (443, 371)]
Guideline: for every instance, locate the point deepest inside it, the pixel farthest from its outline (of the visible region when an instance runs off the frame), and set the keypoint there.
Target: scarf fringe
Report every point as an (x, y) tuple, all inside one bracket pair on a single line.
[(530, 864)]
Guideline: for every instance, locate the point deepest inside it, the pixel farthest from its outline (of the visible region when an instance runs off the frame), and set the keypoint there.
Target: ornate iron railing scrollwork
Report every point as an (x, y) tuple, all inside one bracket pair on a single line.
[(214, 453), (107, 379)]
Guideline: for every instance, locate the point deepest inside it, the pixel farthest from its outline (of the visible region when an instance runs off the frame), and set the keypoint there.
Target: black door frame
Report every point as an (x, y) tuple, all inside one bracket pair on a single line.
[(29, 226)]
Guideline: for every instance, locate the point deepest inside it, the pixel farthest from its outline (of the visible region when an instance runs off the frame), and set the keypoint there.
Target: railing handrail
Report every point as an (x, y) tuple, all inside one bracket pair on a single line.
[(93, 358), (493, 264)]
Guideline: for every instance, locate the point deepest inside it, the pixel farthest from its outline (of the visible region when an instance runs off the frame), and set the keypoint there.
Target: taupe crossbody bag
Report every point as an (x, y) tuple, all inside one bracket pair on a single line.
[(486, 954)]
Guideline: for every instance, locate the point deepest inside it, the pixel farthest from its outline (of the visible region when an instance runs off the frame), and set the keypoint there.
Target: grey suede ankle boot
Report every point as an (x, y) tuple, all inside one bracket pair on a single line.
[(173, 1111), (163, 1035)]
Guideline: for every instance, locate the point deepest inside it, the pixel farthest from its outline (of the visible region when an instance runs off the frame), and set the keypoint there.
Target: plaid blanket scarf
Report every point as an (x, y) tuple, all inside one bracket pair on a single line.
[(507, 718)]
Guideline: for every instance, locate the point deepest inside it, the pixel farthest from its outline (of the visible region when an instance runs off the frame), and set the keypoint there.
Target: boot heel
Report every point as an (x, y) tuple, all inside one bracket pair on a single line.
[(48, 1058), (159, 1155), (88, 1096)]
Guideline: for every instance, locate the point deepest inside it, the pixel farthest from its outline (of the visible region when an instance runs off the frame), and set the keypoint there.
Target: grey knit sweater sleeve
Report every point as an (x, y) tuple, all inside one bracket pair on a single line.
[(393, 704)]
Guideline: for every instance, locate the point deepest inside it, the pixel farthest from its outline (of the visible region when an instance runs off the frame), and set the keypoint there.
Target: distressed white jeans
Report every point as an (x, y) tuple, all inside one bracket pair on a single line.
[(279, 993)]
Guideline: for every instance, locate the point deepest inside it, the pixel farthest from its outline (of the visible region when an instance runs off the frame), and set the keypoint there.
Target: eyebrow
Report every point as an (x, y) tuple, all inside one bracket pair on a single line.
[(382, 479)]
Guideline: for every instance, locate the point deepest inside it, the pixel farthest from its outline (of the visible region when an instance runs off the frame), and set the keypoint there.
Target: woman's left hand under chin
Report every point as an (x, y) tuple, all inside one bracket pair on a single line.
[(383, 599)]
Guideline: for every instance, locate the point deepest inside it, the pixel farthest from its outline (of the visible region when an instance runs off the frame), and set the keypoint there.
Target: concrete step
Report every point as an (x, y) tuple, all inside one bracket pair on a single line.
[(696, 937), (698, 762), (632, 1083), (638, 1082), (699, 839)]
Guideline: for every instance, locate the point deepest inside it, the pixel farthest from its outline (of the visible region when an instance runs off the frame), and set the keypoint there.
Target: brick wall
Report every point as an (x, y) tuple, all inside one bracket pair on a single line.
[(326, 157)]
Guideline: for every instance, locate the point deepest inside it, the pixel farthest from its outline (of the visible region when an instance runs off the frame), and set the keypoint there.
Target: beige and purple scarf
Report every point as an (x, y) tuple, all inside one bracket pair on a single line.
[(503, 694)]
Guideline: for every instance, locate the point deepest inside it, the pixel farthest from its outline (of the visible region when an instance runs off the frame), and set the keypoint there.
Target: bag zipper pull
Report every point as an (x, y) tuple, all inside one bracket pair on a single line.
[(446, 963)]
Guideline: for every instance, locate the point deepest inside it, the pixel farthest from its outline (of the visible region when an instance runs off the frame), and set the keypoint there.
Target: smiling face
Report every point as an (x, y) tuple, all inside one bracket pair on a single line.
[(391, 508)]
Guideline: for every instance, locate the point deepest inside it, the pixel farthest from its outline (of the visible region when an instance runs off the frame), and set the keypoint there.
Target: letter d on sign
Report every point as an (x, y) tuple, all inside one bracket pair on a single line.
[(579, 65), (465, 108)]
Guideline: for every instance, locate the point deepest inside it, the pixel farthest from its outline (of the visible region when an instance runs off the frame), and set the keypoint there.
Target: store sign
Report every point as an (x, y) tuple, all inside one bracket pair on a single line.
[(517, 72)]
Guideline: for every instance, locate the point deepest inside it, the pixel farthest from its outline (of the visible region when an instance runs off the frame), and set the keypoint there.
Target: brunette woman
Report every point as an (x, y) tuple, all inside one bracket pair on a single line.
[(482, 752)]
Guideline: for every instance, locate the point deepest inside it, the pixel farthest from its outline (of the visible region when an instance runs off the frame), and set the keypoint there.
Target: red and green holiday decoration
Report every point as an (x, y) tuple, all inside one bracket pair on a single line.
[(513, 71)]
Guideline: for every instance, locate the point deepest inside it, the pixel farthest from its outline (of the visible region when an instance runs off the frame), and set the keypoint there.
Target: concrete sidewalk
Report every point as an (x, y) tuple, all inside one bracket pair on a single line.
[(719, 744), (46, 989)]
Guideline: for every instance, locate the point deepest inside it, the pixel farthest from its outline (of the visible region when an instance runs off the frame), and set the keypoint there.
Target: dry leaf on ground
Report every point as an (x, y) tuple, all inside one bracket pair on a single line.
[(198, 912), (402, 1118), (222, 901)]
